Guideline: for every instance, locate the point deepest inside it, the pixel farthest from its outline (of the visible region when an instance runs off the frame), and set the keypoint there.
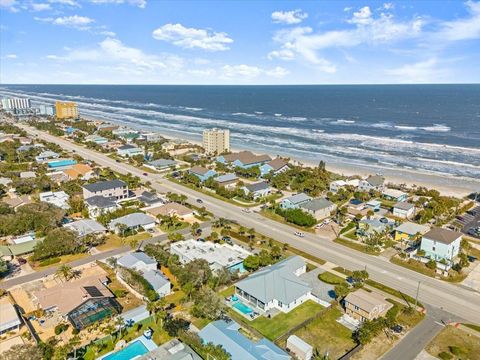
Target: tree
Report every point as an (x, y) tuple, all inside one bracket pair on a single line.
[(214, 236), (60, 241), (196, 272), (3, 267), (194, 228), (174, 325), (65, 271), (23, 352), (157, 310), (359, 276), (341, 290), (207, 304), (251, 262), (175, 236)]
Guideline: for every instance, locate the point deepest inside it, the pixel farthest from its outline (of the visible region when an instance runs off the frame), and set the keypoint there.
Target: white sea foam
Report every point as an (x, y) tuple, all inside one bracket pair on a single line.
[(277, 114), (437, 128), (343, 121), (405, 127)]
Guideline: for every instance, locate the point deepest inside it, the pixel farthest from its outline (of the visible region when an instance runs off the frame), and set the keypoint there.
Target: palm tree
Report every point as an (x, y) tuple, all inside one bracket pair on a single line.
[(157, 310), (119, 324), (73, 343), (65, 272), (113, 262)]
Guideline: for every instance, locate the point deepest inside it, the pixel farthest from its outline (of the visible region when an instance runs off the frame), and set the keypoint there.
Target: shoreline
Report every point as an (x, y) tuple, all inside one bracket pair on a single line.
[(447, 185)]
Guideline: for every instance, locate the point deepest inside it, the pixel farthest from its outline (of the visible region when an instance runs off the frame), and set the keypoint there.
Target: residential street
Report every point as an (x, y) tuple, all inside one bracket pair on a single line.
[(459, 301)]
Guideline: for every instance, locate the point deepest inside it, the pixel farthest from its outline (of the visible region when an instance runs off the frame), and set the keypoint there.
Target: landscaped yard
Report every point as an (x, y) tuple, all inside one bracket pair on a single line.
[(282, 322), (421, 268), (330, 278), (456, 343), (326, 335), (40, 265)]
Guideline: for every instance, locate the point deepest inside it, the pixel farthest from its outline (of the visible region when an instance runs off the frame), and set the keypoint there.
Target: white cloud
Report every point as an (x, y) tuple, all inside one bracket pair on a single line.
[(464, 28), (11, 56), (244, 72), (189, 38), (73, 21), (388, 6), (426, 71), (139, 3), (40, 6), (368, 29), (9, 5), (289, 17), (108, 33), (71, 3)]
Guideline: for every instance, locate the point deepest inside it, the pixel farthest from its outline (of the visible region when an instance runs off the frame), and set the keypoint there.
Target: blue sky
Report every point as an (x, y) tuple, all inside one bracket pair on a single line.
[(239, 42)]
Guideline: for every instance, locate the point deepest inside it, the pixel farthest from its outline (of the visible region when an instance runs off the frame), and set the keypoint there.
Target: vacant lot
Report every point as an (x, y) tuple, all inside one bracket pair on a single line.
[(457, 343)]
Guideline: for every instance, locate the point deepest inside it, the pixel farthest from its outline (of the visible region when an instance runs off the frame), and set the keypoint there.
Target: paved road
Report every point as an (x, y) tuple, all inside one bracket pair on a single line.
[(461, 302), (418, 338), (85, 260)]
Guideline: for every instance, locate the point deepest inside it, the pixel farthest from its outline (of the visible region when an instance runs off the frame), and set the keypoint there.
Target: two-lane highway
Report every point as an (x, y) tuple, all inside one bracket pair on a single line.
[(459, 301)]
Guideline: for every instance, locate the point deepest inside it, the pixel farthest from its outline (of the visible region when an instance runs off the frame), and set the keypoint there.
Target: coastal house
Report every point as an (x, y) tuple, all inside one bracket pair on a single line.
[(441, 244), (16, 201), (276, 166), (257, 190), (373, 205), (409, 231), (403, 210), (295, 201), (202, 173), (147, 267), (10, 320), (357, 207), (363, 305), (226, 333), (169, 209), (151, 136), (339, 184), (82, 171), (97, 139), (218, 256), (394, 195), (276, 287), (129, 151), (171, 350), (133, 222), (82, 302), (369, 226), (86, 227), (226, 180), (98, 205), (150, 198), (162, 164), (375, 182), (27, 174), (319, 208), (244, 159), (46, 155), (117, 189), (57, 198)]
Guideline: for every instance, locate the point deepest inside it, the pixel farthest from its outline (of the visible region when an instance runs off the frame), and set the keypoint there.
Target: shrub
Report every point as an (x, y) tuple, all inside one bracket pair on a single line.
[(445, 355), (120, 293), (455, 350), (432, 264), (60, 328), (297, 217)]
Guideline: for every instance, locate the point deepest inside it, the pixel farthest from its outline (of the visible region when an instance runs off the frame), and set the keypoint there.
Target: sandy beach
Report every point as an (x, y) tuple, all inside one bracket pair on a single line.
[(447, 185)]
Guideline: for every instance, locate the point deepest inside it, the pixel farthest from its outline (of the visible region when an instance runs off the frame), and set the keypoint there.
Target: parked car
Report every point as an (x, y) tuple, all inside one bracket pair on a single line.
[(145, 174), (299, 234), (198, 232), (117, 160), (228, 240), (383, 220), (246, 210), (200, 201)]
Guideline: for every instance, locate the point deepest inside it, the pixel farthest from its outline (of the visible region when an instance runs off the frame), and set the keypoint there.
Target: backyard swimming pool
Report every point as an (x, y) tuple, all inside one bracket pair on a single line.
[(239, 267), (60, 163), (244, 309), (134, 349)]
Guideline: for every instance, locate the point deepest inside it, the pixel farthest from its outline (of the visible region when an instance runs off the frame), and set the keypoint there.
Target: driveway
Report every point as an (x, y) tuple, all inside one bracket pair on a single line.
[(473, 279)]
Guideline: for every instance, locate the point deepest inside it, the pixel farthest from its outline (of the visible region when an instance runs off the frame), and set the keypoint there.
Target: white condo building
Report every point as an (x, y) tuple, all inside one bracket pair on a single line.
[(15, 103), (216, 141)]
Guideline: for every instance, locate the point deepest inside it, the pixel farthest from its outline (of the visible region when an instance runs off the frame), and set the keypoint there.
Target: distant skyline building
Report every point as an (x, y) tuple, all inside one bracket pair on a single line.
[(12, 104), (46, 110), (216, 141), (66, 110)]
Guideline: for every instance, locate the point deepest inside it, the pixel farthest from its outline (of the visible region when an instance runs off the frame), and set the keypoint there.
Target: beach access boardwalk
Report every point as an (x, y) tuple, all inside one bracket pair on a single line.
[(458, 301)]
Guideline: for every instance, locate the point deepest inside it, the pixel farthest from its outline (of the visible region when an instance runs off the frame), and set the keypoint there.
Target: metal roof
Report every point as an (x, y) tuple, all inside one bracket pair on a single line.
[(298, 198), (132, 220), (105, 185)]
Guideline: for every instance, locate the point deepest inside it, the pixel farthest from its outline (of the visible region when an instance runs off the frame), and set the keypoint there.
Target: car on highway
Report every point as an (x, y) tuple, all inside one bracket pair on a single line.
[(117, 160), (246, 210), (200, 201), (145, 174), (299, 234)]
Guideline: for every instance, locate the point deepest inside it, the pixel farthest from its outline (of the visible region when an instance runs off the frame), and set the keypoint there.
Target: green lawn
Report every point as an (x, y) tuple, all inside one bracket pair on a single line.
[(330, 278), (278, 325), (356, 246), (326, 335)]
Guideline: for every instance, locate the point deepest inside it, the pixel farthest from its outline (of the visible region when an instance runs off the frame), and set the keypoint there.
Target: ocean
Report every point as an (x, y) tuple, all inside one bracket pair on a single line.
[(433, 129)]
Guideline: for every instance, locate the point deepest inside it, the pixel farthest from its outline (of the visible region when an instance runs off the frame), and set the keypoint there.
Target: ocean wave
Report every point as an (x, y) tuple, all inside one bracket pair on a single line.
[(343, 121), (405, 127), (243, 114), (437, 128), (277, 114)]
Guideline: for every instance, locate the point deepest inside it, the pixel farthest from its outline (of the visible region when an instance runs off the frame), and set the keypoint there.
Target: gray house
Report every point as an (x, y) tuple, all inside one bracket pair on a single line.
[(319, 208), (133, 221), (111, 188)]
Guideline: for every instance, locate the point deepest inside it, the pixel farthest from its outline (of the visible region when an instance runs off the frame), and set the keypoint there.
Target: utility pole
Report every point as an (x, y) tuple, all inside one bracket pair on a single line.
[(416, 297)]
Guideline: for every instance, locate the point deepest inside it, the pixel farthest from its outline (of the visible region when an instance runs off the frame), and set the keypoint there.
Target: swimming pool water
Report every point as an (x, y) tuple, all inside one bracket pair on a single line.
[(244, 309), (240, 267), (59, 163), (136, 348)]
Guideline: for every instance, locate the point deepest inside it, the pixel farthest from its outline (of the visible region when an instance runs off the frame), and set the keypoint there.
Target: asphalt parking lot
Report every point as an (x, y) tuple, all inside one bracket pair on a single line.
[(470, 220)]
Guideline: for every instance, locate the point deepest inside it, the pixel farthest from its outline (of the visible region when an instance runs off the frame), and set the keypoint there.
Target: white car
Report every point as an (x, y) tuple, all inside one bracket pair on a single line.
[(299, 234), (246, 210)]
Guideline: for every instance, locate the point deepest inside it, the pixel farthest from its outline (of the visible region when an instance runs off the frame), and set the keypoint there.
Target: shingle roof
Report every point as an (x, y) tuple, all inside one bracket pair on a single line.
[(317, 204), (262, 185), (101, 202), (394, 193), (226, 334), (403, 205), (366, 301), (376, 180), (226, 178), (199, 170), (442, 235), (246, 157), (127, 147), (132, 220), (298, 198), (277, 163), (276, 282), (105, 185), (86, 226), (412, 228)]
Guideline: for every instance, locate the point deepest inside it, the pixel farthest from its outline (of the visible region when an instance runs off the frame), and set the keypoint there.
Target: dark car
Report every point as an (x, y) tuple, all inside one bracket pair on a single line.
[(201, 239), (145, 174), (471, 258), (198, 232), (117, 160), (397, 328), (383, 220), (199, 201)]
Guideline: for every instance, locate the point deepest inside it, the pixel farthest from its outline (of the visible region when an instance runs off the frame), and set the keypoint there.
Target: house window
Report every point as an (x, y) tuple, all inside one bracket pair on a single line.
[(356, 307), (433, 248)]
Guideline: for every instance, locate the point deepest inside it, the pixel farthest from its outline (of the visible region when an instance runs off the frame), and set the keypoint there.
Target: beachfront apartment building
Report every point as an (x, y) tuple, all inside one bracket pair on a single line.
[(66, 110), (441, 244), (117, 189), (216, 141)]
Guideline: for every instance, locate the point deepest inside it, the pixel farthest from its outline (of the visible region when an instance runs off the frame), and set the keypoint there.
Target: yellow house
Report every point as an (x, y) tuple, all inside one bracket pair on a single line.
[(66, 110), (408, 230)]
